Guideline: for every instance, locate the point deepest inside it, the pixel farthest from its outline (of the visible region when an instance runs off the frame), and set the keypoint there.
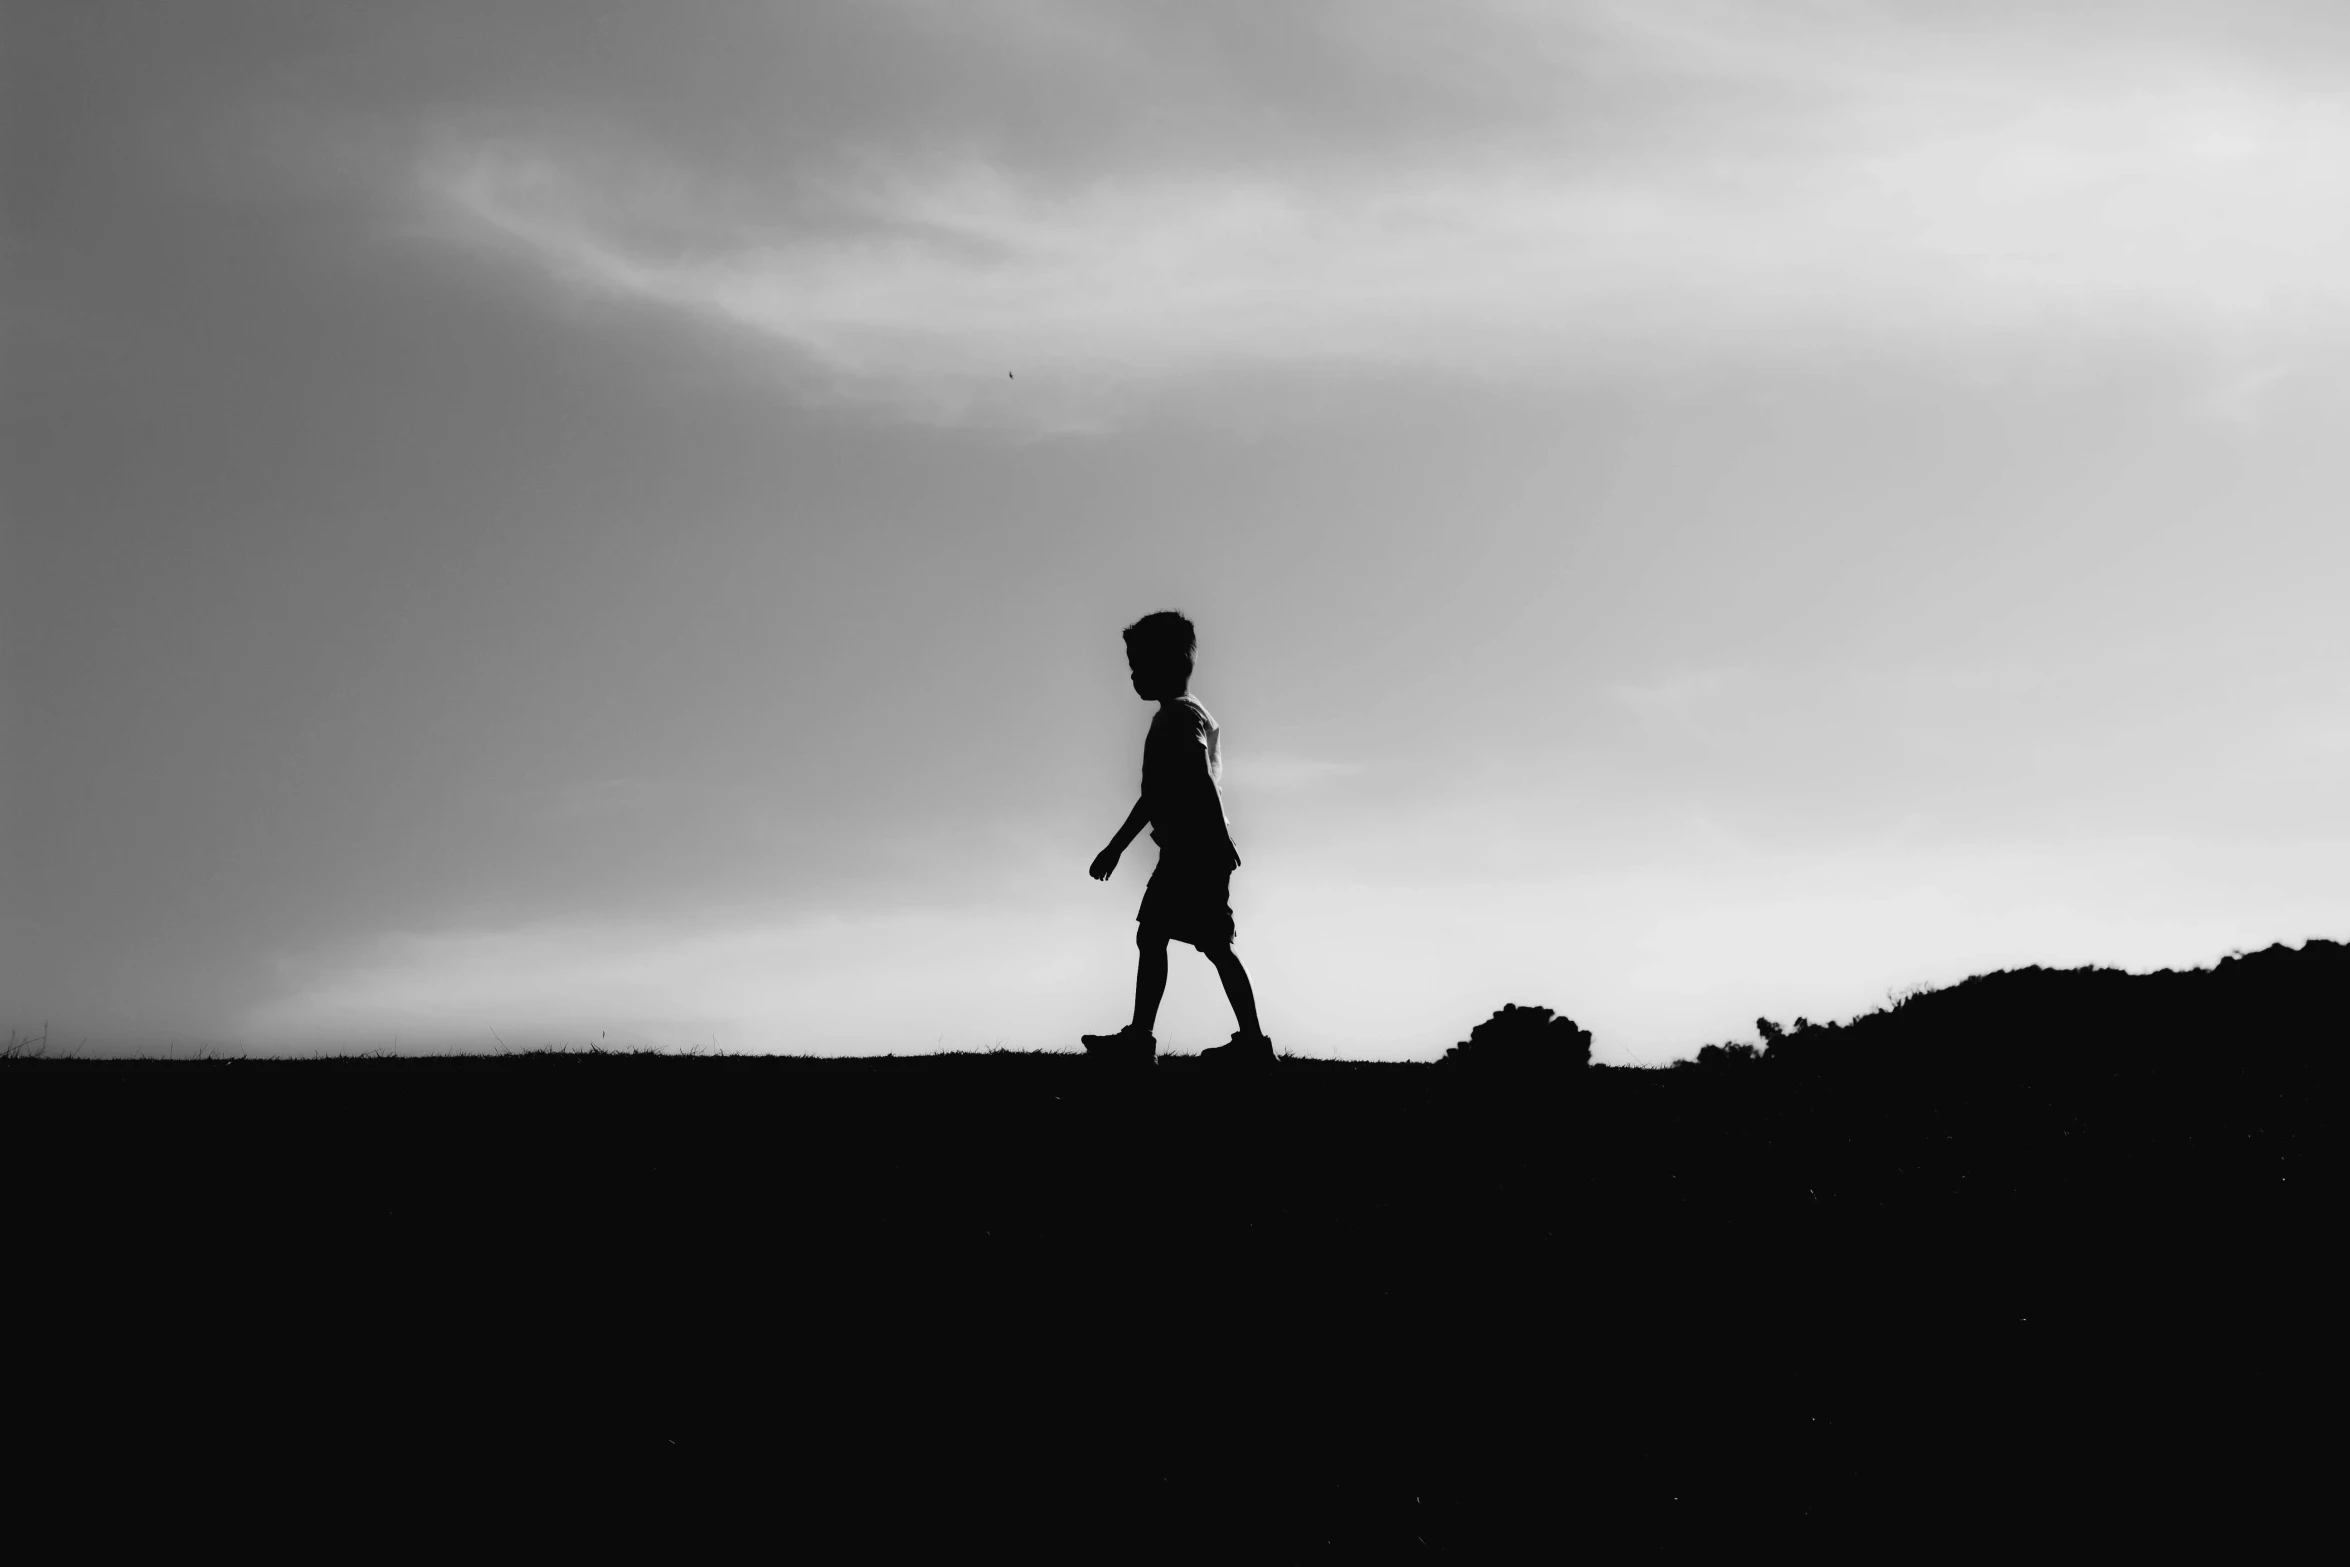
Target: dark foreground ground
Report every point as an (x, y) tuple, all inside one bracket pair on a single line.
[(2038, 1259)]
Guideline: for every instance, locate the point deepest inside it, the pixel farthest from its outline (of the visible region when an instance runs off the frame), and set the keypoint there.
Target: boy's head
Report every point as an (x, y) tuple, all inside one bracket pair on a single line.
[(1159, 651)]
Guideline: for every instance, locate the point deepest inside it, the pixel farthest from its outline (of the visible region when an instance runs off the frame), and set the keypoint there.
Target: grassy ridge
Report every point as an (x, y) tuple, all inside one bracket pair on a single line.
[(2042, 1241)]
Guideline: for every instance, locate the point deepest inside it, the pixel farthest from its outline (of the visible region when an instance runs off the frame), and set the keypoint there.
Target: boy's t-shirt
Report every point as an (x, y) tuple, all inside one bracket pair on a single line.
[(1182, 766)]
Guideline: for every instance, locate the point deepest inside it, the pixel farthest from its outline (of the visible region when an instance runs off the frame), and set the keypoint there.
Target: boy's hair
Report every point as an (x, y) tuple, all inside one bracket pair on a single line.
[(1163, 636)]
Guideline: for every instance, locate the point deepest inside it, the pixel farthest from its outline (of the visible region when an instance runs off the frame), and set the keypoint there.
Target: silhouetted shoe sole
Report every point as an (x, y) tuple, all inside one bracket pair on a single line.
[(1120, 1050), (1249, 1055)]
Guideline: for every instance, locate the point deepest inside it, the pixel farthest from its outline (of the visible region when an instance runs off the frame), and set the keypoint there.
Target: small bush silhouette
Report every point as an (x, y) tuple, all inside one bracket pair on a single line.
[(1522, 1041)]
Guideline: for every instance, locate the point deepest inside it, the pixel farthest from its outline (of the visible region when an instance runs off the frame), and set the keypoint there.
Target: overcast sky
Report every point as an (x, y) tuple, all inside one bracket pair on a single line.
[(570, 522)]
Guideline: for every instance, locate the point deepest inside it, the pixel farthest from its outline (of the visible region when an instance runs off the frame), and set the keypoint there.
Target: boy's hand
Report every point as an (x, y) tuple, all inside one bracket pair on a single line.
[(1104, 863)]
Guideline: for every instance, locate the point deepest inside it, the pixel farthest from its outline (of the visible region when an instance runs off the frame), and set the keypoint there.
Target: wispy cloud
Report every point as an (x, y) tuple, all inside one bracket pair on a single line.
[(1828, 188), (1681, 701), (822, 985), (1280, 773)]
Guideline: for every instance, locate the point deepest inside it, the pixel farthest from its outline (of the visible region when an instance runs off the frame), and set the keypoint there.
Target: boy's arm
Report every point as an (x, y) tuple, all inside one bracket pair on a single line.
[(1210, 798), (1107, 861)]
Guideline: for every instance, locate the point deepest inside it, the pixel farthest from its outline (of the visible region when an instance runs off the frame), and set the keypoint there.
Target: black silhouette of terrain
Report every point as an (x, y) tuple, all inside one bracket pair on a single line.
[(2038, 1258)]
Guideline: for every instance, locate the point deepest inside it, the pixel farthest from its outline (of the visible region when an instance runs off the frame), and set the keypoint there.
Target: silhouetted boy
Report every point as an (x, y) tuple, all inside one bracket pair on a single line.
[(1190, 893)]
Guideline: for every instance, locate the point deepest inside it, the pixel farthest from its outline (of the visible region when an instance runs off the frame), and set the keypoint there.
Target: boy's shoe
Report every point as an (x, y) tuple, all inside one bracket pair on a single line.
[(1243, 1051), (1129, 1046)]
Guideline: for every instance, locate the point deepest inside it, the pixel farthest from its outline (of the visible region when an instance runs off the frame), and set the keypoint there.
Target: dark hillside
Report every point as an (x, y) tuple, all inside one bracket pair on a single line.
[(2044, 1246)]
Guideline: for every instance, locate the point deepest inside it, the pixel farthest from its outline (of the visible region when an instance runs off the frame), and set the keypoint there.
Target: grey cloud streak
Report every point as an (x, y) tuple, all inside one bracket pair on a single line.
[(1962, 202)]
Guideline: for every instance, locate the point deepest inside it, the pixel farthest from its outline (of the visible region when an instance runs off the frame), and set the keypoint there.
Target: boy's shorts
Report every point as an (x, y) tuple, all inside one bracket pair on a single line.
[(1189, 900)]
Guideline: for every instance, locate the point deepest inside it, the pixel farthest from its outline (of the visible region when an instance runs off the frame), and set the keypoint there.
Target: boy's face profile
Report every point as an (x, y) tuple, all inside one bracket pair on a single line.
[(1155, 679)]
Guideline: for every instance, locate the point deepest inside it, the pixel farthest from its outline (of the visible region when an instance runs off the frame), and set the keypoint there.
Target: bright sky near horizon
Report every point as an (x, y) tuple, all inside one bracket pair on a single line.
[(572, 522)]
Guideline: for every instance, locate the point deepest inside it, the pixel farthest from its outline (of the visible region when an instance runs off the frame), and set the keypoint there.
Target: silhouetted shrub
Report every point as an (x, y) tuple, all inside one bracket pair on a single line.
[(2049, 1046), (1523, 1041)]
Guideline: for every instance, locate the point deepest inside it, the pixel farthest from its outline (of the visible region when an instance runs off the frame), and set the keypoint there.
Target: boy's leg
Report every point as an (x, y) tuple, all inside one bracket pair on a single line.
[(1237, 989), (1150, 978)]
